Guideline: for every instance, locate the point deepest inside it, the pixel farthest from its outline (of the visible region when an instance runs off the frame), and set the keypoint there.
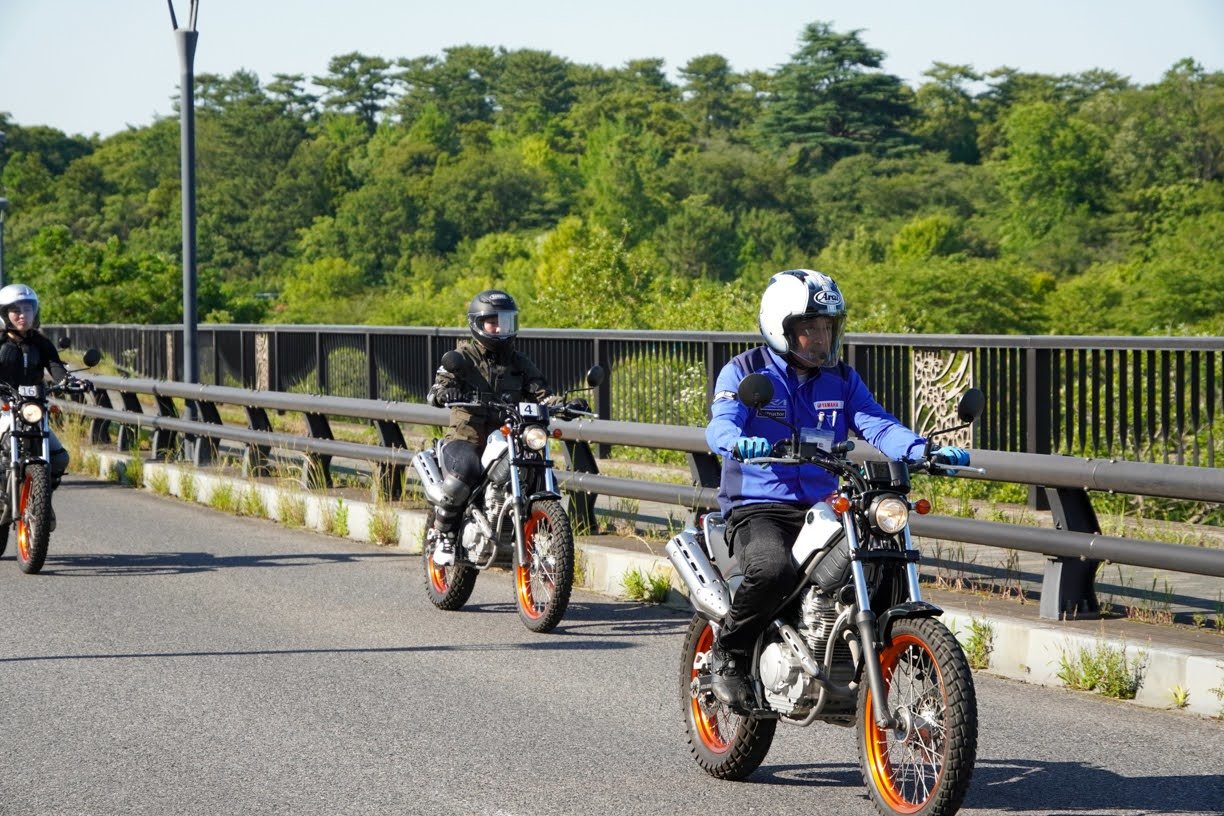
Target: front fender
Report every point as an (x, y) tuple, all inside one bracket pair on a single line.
[(909, 609)]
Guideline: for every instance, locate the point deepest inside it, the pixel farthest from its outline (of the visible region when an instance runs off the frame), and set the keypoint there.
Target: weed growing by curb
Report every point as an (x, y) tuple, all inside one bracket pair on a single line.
[(384, 526), (1104, 669), (133, 471), (223, 498), (334, 517), (651, 588), (1180, 695), (980, 643), (251, 503), (188, 489), (160, 483), (290, 509)]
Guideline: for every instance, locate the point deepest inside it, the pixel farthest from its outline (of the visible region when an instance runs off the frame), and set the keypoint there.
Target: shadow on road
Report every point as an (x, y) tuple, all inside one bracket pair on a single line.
[(169, 563), (1021, 786)]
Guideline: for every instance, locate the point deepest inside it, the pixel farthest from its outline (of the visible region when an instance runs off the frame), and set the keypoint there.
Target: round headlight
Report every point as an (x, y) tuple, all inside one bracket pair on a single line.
[(889, 515), (535, 437), (32, 413)]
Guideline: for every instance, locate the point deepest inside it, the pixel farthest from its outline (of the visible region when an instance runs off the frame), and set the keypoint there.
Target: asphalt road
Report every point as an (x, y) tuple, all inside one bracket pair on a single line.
[(174, 660)]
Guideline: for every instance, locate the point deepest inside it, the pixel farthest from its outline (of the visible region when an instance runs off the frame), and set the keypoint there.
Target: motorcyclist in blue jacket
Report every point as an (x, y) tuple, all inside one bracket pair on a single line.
[(803, 320)]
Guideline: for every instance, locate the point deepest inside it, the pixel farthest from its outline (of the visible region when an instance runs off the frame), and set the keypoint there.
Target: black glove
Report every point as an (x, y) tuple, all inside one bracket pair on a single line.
[(552, 401), (451, 394), (578, 405)]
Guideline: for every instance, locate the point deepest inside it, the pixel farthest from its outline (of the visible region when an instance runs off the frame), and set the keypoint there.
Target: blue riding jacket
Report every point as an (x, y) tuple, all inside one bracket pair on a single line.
[(832, 401)]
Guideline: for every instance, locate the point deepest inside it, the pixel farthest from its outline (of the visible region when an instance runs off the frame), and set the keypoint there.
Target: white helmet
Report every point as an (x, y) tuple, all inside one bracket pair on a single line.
[(796, 294), (17, 293)]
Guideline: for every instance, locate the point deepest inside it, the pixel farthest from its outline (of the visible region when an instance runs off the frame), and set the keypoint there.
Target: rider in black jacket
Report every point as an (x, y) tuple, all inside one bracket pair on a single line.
[(25, 354), (495, 368)]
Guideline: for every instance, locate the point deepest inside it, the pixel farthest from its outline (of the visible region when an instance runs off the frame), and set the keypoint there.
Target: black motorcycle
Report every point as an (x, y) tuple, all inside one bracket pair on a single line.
[(514, 516), (852, 645), (25, 437)]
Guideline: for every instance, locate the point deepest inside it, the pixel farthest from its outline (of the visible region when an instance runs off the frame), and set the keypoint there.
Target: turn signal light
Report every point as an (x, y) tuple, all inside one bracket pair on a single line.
[(505, 429), (840, 504), (922, 507), (556, 433)]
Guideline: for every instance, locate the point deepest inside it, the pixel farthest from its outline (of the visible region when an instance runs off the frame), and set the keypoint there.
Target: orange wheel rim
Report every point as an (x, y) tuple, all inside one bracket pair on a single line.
[(437, 574), (522, 574), (23, 529), (884, 771), (707, 727)]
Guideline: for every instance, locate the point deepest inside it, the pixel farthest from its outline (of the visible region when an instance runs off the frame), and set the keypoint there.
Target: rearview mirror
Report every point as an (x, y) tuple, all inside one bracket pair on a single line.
[(755, 390), (971, 405), (595, 376), (455, 362)]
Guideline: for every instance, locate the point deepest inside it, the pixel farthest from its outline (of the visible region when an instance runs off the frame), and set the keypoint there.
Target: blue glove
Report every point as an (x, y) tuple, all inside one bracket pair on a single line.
[(950, 455), (750, 447)]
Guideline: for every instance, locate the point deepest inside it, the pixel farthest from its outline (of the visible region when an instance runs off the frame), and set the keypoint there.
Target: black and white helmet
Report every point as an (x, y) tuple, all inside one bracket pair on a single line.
[(16, 294), (797, 294), (498, 305)]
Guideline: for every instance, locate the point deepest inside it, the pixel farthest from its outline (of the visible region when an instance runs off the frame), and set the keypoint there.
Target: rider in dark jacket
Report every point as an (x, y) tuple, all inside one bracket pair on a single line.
[(26, 354), (496, 368)]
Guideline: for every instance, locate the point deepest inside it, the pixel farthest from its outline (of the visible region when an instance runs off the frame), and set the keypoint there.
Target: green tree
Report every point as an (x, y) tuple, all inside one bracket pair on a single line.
[(947, 118), (356, 84), (831, 101)]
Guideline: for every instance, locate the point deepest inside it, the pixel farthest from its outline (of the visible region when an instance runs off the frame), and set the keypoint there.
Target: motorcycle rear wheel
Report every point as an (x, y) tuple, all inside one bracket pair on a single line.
[(33, 520), (726, 745), (448, 587), (542, 582), (924, 765)]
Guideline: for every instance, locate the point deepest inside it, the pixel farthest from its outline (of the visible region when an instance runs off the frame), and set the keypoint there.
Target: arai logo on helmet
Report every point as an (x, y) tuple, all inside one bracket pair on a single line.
[(826, 297)]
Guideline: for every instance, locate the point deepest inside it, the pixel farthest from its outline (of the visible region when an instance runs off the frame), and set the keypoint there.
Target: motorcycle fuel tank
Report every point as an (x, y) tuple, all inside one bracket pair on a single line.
[(821, 528)]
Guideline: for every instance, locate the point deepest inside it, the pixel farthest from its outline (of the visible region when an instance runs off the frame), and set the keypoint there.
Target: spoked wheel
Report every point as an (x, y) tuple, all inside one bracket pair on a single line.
[(448, 587), (543, 580), (725, 744), (922, 765), (33, 519)]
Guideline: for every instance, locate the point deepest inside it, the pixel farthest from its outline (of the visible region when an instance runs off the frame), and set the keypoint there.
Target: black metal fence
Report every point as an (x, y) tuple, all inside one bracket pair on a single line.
[(1137, 398)]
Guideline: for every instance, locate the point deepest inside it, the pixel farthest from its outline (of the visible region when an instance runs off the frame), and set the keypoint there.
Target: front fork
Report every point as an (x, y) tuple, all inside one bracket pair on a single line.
[(17, 463), (866, 618)]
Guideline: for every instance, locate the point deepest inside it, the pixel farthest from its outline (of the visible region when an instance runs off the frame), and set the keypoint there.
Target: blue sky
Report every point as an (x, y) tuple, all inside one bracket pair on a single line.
[(97, 66)]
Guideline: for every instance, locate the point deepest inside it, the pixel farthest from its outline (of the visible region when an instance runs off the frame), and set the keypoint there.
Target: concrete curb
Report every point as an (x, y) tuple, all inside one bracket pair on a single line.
[(1020, 649)]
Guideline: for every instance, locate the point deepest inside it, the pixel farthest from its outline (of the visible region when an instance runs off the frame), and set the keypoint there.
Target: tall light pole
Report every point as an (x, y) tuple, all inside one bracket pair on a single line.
[(186, 37), (4, 205)]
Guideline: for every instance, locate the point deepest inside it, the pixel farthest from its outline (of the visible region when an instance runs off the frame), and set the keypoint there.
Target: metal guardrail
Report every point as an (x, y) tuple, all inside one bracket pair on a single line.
[(1076, 546), (1139, 398)]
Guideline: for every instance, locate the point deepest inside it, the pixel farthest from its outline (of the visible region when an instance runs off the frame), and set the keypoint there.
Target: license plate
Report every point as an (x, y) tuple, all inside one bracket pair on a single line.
[(28, 390)]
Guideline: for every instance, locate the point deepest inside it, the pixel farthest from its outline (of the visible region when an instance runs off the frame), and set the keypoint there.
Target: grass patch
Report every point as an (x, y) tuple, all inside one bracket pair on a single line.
[(650, 588), (290, 509), (1104, 669), (133, 471), (188, 488), (334, 517), (251, 503), (384, 526), (223, 497), (159, 482), (979, 644)]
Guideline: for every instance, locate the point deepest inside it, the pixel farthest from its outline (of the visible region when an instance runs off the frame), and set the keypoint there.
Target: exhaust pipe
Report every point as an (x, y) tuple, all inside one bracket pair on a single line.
[(426, 465), (707, 591)]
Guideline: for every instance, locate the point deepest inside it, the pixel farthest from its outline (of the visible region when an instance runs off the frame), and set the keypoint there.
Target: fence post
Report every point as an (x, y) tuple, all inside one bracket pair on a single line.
[(1068, 591), (1038, 395), (579, 459)]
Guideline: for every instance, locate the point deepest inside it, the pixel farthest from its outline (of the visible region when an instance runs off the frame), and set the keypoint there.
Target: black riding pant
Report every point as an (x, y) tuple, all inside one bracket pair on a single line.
[(761, 536)]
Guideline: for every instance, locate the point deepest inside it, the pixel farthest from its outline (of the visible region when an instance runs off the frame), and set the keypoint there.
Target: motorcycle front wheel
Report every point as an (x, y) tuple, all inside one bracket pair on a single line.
[(544, 578), (448, 587), (33, 519), (923, 765), (725, 744)]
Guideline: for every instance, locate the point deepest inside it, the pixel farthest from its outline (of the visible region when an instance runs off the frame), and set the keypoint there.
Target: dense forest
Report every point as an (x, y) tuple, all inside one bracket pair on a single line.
[(390, 190)]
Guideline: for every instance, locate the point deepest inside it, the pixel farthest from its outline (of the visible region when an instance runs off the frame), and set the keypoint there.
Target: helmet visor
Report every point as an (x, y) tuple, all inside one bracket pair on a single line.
[(21, 308), (501, 323)]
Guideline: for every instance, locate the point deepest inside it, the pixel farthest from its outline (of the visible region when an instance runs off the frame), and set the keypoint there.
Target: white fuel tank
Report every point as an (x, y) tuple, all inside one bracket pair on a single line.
[(821, 528)]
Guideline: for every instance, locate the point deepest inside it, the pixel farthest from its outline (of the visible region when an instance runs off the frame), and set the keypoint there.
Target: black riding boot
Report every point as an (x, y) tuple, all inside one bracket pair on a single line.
[(729, 680)]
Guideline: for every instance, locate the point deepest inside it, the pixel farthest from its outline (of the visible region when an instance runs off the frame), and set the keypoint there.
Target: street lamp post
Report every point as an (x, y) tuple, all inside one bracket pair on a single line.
[(4, 205), (185, 37)]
